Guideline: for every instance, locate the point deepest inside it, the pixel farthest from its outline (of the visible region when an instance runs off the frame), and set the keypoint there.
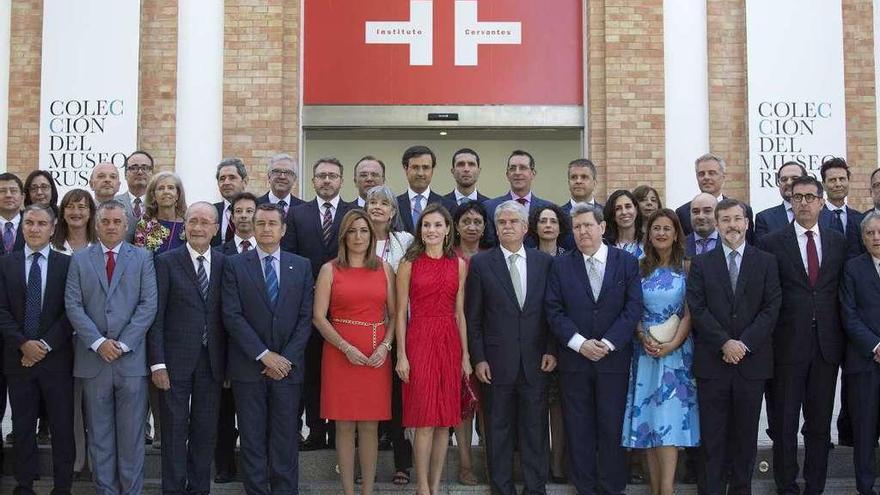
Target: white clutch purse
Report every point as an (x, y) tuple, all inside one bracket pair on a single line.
[(665, 331)]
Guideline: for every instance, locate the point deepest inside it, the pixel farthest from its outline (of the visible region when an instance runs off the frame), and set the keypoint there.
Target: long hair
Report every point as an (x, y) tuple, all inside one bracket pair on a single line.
[(417, 248), (563, 220), (62, 229), (53, 198), (611, 230), (152, 208), (343, 260), (651, 260), (479, 209)]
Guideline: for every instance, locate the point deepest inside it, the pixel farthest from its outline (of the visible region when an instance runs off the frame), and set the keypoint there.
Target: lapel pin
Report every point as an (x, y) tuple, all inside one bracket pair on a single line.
[(290, 267)]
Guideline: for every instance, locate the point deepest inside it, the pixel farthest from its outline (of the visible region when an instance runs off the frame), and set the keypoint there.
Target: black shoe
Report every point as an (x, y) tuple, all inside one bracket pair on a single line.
[(10, 438), (84, 475), (148, 440), (313, 443), (23, 490), (43, 438), (221, 478), (385, 443)]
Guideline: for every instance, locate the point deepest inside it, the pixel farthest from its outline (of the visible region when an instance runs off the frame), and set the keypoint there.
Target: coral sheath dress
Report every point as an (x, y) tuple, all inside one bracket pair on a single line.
[(357, 312), (432, 398)]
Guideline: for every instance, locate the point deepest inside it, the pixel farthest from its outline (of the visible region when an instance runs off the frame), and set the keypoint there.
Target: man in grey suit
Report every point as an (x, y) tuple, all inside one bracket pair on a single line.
[(111, 303), (138, 171)]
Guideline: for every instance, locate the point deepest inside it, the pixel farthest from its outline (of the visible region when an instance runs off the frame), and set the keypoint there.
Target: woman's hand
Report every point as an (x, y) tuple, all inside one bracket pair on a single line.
[(466, 369), (402, 368), (355, 356), (378, 357)]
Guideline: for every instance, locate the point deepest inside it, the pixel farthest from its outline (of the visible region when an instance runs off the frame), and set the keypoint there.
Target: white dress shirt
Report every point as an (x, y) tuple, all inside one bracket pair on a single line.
[(600, 259), (590, 202), (361, 202), (239, 240), (334, 205), (789, 213), (801, 234), (842, 209), (520, 265), (275, 199), (100, 340), (412, 198), (276, 265), (15, 221), (528, 197), (458, 195)]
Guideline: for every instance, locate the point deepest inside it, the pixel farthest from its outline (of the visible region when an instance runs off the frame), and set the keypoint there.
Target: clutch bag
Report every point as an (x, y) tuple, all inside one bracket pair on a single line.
[(665, 331)]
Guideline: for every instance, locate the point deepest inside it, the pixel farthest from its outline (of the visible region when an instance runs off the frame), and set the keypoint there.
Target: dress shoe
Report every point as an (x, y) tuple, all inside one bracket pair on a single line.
[(313, 443), (84, 475), (10, 438), (43, 438), (148, 440), (221, 478), (23, 490)]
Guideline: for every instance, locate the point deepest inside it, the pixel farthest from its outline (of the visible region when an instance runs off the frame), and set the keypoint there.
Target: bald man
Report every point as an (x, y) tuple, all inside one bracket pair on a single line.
[(704, 237), (104, 182)]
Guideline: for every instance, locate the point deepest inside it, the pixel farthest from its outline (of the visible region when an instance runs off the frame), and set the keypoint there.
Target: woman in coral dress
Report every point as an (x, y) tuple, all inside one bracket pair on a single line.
[(354, 304), (432, 352)]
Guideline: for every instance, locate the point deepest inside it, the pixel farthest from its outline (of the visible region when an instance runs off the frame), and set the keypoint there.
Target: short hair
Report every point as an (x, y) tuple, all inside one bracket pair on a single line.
[(808, 180), (461, 211), (369, 158), (110, 204), (53, 197), (138, 152), (7, 176), (521, 153), (642, 192), (280, 157), (584, 163), (834, 162), (242, 196), (512, 207), (791, 163), (327, 159), (465, 151), (270, 207), (418, 150), (710, 157), (581, 208), (240, 169), (371, 261), (870, 179), (561, 217), (202, 204), (385, 192), (868, 218), (728, 203), (38, 207)]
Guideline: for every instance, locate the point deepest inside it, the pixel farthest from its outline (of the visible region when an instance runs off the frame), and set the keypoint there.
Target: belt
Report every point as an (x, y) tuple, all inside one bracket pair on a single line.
[(374, 326)]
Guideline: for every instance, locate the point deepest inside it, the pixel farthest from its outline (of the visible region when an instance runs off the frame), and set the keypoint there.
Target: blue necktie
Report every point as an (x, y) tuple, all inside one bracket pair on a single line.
[(417, 208), (202, 275), (9, 237), (271, 279), (836, 222), (34, 299)]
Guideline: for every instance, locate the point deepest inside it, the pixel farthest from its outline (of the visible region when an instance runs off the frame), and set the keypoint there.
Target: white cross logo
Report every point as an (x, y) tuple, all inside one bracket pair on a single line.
[(470, 33), (417, 32)]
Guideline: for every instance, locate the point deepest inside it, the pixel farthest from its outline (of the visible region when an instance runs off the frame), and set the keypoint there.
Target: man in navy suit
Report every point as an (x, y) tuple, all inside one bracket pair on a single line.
[(734, 298), (281, 174), (232, 179), (315, 227), (710, 172), (267, 313), (11, 197), (704, 236), (187, 352), (779, 216), (582, 176), (594, 302), (520, 174), (859, 294), (510, 349), (418, 164), (466, 172), (808, 341), (38, 350)]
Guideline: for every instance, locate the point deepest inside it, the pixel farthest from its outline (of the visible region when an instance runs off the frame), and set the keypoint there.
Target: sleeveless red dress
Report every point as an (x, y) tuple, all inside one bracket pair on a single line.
[(433, 346), (349, 392)]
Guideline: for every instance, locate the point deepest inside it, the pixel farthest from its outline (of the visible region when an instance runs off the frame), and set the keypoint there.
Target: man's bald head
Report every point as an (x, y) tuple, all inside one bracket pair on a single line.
[(703, 214), (104, 181)]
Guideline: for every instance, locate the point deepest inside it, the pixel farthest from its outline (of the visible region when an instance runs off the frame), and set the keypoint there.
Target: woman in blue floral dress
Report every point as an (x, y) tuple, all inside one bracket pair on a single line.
[(661, 408)]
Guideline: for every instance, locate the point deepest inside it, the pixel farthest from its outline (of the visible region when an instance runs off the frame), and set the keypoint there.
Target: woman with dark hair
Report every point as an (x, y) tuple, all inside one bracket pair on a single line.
[(432, 354), (353, 310), (623, 222), (470, 221), (648, 200), (39, 188), (661, 409), (161, 227)]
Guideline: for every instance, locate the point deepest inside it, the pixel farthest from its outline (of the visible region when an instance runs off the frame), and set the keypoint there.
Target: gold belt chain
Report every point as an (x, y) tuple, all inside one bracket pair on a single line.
[(374, 326)]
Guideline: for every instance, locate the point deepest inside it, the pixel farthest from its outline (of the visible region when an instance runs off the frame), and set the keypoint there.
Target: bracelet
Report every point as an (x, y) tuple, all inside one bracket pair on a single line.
[(387, 345)]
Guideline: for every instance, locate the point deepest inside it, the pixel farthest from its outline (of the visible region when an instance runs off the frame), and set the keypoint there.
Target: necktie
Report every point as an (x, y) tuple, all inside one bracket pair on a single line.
[(137, 208), (516, 279), (595, 278), (271, 279), (34, 299), (837, 223), (522, 201), (8, 237), (812, 259), (733, 268), (417, 207), (462, 200), (283, 205), (111, 265), (202, 275), (703, 245), (245, 245), (230, 228), (326, 223)]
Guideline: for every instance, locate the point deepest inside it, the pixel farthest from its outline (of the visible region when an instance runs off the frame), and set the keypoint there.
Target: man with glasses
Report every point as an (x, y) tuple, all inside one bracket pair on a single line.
[(779, 216), (138, 171), (808, 340), (369, 172), (520, 174), (281, 175)]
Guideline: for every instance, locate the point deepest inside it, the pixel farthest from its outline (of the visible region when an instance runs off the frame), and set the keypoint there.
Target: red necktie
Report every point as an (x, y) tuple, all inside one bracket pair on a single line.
[(522, 201), (111, 264), (245, 245), (812, 259), (230, 228)]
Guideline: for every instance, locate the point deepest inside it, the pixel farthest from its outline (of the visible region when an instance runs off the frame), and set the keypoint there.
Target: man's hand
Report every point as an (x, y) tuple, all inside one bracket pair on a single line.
[(594, 350), (734, 351), (273, 374), (276, 363), (484, 374), (109, 350), (161, 379), (33, 352), (548, 363)]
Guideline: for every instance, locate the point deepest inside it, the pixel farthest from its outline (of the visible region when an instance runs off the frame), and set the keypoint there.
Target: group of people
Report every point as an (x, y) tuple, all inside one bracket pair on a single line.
[(571, 333)]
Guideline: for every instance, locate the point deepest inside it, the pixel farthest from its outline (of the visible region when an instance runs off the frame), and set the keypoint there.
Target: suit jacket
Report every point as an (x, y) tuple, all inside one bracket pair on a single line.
[(126, 199), (229, 248), (859, 294), (802, 304), (218, 239), (770, 220), (854, 246), (122, 309), (304, 233), (684, 216), (690, 244), (294, 201), (567, 241), (719, 314), (18, 245), (490, 238), (175, 338), (451, 204), (405, 209), (501, 333), (254, 324), (571, 308), (54, 326)]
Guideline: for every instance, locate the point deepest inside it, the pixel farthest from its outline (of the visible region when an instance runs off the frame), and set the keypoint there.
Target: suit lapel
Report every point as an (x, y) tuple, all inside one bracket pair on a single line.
[(608, 278), (122, 262), (502, 272), (285, 270), (20, 278), (216, 272), (794, 253), (185, 262), (744, 275), (255, 269), (718, 258), (828, 251), (532, 274), (869, 265), (100, 264)]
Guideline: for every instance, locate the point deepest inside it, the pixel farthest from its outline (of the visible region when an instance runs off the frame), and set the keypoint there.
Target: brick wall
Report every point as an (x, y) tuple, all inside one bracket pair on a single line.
[(158, 81), (26, 34)]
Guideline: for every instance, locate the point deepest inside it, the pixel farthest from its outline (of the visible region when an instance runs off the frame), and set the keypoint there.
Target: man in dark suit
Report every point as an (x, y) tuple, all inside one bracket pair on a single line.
[(710, 172), (859, 294), (38, 352), (875, 189), (511, 351), (808, 341), (466, 172), (315, 227), (780, 216), (704, 235), (267, 313), (734, 298), (582, 176), (369, 172), (187, 352), (11, 198), (232, 179), (520, 174), (138, 171), (594, 302), (281, 174), (418, 164)]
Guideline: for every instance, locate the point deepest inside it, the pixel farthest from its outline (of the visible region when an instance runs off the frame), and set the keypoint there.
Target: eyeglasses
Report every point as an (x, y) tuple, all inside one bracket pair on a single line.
[(282, 171), (327, 175), (798, 198), (369, 175), (10, 190), (139, 168), (40, 187)]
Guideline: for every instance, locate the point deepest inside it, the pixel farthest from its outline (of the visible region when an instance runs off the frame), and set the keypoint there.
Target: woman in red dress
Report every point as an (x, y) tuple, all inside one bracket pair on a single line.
[(432, 352), (354, 307)]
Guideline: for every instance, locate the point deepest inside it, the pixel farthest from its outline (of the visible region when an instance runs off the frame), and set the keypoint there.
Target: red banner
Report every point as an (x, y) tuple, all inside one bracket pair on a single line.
[(424, 52)]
